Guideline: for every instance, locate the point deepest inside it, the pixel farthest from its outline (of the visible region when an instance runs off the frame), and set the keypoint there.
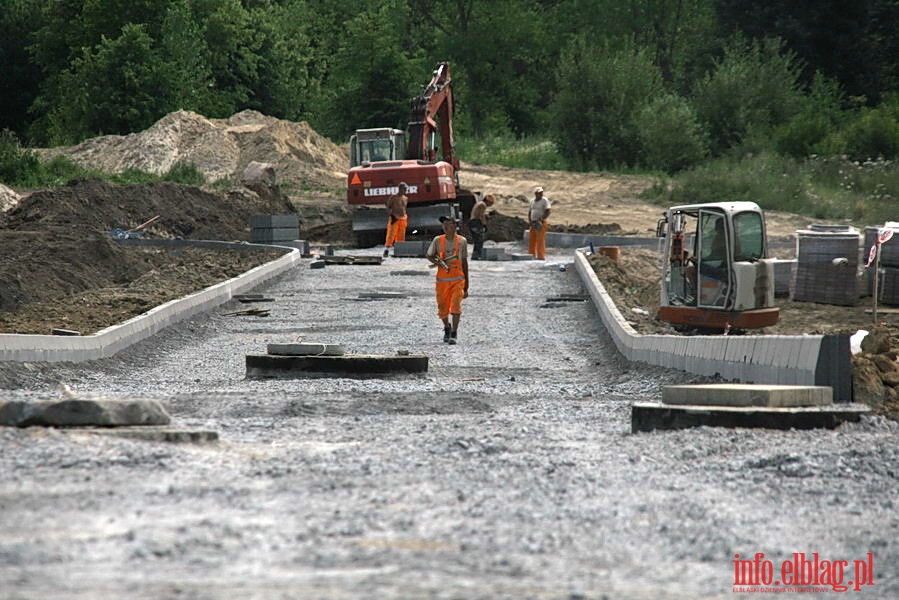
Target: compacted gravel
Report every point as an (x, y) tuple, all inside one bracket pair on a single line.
[(508, 470)]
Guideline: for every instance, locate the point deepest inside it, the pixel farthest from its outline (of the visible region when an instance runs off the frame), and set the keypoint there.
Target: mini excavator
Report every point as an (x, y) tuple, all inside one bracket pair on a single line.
[(716, 274)]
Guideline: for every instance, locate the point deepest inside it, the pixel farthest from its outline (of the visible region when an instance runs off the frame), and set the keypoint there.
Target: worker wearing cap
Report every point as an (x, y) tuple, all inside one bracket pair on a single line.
[(477, 224), (538, 216), (449, 253), (397, 218)]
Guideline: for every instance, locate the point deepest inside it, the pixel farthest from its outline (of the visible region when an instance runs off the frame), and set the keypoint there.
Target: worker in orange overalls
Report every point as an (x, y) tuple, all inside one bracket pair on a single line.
[(397, 219), (449, 253), (538, 215)]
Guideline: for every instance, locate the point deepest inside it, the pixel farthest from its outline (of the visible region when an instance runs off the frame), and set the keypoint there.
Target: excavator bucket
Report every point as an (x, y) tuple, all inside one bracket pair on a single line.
[(370, 224)]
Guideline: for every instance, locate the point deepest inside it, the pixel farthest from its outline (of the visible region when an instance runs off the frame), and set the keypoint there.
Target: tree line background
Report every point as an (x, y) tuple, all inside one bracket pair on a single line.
[(663, 85)]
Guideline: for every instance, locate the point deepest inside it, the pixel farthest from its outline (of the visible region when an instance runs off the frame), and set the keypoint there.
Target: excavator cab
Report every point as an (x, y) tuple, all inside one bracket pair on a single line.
[(377, 145), (715, 274)]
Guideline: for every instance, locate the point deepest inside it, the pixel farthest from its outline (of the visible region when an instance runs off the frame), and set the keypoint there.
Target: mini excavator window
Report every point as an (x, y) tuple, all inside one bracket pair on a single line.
[(749, 236)]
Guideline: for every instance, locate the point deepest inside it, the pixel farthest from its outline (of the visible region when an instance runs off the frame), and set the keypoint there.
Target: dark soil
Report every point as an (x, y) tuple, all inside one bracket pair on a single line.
[(60, 268)]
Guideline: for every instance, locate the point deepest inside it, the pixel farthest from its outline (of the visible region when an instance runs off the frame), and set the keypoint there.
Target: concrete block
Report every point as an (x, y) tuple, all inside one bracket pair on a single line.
[(273, 234), (356, 365), (745, 394), (411, 249), (274, 221), (649, 416), (495, 253)]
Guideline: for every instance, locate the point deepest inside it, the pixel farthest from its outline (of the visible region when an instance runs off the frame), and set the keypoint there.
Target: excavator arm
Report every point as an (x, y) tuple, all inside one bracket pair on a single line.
[(432, 114)]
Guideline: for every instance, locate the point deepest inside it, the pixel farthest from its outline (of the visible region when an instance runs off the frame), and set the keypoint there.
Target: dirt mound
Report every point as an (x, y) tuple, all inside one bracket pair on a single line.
[(63, 245), (219, 148), (93, 206)]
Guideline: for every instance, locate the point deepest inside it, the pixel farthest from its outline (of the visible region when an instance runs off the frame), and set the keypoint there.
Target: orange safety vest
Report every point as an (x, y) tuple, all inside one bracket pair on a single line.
[(455, 272)]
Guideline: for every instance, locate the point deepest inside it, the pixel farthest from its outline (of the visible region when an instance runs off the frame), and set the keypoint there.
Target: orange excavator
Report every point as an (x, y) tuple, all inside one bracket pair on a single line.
[(380, 159), (727, 282)]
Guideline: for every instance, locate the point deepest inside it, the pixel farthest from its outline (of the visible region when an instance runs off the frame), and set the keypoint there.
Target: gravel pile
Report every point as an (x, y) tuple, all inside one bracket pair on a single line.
[(507, 471)]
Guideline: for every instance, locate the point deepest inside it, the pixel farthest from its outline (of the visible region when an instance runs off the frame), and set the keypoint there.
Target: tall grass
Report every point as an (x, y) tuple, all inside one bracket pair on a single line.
[(506, 150), (823, 188)]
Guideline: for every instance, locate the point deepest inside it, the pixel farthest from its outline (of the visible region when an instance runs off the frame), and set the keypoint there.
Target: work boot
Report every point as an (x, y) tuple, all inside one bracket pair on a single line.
[(452, 338), (386, 252), (447, 333)]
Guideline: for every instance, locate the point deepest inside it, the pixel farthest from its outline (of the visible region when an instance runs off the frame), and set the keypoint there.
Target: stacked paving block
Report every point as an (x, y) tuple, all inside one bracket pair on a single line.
[(273, 229), (827, 259), (888, 284), (783, 274)]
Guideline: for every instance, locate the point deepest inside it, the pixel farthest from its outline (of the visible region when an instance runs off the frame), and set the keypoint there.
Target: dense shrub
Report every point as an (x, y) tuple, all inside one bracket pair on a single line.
[(753, 88), (874, 134), (670, 134), (803, 135), (599, 92), (18, 165)]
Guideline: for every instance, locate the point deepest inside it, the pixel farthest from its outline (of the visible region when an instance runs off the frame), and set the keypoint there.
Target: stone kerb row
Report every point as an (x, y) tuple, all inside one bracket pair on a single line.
[(105, 343), (771, 359)]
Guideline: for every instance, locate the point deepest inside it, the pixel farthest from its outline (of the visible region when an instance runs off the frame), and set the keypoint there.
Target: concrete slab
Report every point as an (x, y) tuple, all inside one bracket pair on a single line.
[(383, 296), (495, 253), (747, 394), (157, 434), (354, 365), (305, 349), (649, 416), (352, 260), (81, 412)]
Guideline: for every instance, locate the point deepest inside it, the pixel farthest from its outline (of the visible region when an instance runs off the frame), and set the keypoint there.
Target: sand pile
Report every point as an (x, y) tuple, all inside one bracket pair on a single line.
[(219, 148)]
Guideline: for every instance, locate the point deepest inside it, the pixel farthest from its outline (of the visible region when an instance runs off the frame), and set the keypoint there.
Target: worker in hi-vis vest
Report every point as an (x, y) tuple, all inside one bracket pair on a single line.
[(449, 253)]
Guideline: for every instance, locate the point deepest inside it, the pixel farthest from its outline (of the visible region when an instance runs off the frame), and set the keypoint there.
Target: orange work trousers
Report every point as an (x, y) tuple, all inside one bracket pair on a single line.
[(537, 241), (396, 231), (449, 297)]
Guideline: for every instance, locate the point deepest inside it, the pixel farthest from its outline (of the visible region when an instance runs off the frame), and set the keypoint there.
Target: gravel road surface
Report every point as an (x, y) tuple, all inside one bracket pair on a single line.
[(507, 471)]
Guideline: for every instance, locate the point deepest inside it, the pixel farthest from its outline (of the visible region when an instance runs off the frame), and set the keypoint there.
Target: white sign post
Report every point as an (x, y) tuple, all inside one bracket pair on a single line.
[(883, 236)]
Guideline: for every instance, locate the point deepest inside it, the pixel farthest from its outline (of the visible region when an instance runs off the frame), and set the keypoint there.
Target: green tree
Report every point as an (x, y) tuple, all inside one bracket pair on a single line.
[(677, 34), (183, 51), (599, 92), (232, 45), (852, 42), (372, 80), (754, 88), (118, 87), (287, 85), (498, 50), (17, 20)]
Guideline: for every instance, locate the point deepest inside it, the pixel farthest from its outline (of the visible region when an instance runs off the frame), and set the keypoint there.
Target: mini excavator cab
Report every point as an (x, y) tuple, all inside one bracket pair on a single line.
[(715, 274)]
